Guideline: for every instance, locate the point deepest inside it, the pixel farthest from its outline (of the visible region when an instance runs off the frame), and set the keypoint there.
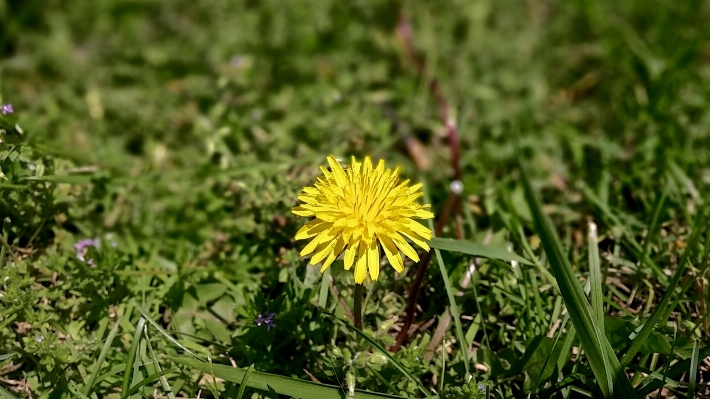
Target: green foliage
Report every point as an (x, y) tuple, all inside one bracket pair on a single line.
[(175, 136)]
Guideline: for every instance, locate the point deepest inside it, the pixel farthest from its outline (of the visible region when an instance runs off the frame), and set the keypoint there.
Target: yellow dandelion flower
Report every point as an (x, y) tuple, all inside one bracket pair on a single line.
[(357, 210)]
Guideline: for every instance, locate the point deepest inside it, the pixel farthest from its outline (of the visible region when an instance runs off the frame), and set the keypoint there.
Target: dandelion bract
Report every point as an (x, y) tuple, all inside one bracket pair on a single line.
[(357, 210)]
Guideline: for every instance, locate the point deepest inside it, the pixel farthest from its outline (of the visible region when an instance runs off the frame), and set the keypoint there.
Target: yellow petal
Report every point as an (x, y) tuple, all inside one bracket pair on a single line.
[(311, 191), (367, 167), (422, 214), (380, 169), (328, 262), (404, 246), (361, 264), (415, 188), (308, 198), (301, 211), (311, 229), (417, 228), (373, 260), (350, 255), (311, 246), (339, 175), (328, 176), (415, 239), (339, 245), (392, 253), (323, 250)]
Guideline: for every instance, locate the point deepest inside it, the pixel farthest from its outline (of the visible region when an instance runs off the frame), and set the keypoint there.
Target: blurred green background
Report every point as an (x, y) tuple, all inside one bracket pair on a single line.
[(180, 132)]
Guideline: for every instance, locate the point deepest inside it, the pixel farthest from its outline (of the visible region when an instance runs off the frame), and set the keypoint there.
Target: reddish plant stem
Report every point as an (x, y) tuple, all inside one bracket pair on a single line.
[(453, 203), (449, 205)]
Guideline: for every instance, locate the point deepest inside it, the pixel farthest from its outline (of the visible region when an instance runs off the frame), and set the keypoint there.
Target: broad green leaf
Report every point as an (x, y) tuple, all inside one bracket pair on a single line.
[(472, 248)]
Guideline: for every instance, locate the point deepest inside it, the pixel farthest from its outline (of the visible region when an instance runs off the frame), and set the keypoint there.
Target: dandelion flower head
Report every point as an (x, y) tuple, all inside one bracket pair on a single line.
[(357, 210)]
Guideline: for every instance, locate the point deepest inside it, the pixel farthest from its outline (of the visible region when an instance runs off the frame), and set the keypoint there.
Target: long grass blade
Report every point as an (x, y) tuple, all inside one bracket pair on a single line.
[(282, 385), (7, 394), (323, 293), (130, 361), (156, 364), (605, 366), (463, 346), (693, 370), (383, 380), (595, 276), (453, 306)]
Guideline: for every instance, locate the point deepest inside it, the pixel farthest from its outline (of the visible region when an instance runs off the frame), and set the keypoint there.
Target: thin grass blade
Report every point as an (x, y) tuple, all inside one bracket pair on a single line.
[(245, 380), (595, 276), (463, 346), (130, 361), (383, 380), (693, 370), (147, 380), (156, 363), (323, 293), (100, 361), (662, 310), (454, 309), (162, 331)]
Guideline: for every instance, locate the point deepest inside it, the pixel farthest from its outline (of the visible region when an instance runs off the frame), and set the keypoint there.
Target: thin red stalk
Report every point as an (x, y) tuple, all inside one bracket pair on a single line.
[(453, 203), (449, 205)]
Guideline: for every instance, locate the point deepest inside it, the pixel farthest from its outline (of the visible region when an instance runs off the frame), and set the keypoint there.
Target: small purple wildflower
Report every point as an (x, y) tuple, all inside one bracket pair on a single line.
[(481, 387), (7, 109), (82, 247), (268, 320)]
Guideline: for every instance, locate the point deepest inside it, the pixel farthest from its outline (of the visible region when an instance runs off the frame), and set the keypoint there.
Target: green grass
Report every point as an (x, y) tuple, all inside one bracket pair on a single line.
[(180, 133)]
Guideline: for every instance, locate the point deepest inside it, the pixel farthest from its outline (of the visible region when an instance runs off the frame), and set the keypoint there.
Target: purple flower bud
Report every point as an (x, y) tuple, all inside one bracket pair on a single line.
[(7, 109), (82, 247), (268, 320)]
